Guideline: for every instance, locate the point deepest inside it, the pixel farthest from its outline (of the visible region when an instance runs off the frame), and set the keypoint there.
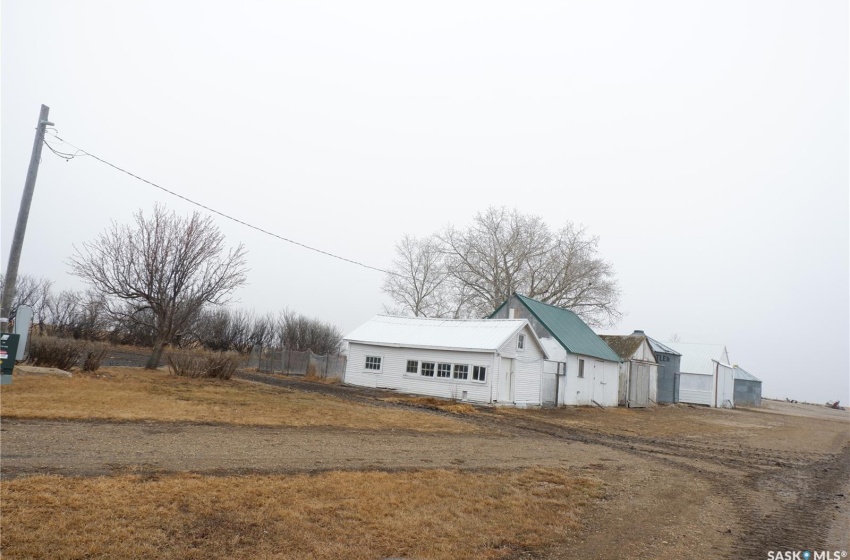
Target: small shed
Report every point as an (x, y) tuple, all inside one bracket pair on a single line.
[(481, 361), (669, 362), (706, 375), (638, 384), (747, 388), (581, 368)]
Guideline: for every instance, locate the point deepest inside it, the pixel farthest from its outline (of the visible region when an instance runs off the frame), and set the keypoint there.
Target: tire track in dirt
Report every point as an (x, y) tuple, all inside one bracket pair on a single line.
[(782, 500)]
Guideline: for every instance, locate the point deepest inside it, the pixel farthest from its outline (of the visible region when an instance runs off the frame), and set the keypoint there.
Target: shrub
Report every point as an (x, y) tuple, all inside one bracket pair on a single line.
[(62, 353), (199, 363), (94, 354)]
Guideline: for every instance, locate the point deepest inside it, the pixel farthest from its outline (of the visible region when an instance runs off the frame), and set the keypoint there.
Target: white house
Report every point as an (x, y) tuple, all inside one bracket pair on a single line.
[(481, 361), (638, 385), (582, 369), (706, 376)]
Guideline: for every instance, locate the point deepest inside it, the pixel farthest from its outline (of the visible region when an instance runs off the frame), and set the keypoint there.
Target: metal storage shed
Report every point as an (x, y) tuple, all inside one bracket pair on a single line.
[(669, 362), (706, 376), (747, 388)]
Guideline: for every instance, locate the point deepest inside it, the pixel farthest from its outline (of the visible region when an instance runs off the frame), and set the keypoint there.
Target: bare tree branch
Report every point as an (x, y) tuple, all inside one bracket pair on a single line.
[(164, 268)]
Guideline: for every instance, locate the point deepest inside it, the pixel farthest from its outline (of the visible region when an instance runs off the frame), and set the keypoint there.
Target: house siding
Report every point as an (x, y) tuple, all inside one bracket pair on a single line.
[(394, 365), (600, 382), (528, 369)]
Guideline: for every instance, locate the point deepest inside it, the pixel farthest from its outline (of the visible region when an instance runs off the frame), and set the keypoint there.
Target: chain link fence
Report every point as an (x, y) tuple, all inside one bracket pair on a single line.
[(294, 362)]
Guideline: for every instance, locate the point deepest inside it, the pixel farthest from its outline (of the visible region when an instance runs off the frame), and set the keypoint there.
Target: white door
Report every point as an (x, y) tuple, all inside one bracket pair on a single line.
[(598, 391), (506, 381)]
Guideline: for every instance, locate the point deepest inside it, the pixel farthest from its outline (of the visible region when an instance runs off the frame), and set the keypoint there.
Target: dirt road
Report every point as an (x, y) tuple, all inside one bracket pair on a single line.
[(679, 481)]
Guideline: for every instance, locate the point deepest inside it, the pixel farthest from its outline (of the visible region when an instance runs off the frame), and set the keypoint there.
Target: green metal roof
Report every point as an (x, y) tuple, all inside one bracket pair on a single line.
[(568, 329)]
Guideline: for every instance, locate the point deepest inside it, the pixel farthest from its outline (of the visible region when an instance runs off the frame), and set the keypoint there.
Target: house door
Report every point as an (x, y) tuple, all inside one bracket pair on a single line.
[(506, 381), (639, 385)]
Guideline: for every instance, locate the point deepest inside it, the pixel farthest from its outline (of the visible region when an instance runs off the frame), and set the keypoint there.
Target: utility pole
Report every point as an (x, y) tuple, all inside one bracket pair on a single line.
[(23, 215)]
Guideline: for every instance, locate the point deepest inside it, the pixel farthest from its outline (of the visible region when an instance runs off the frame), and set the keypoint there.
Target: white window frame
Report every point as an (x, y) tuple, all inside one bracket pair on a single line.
[(455, 372), (380, 367), (422, 369), (440, 369), (520, 342), (580, 372), (484, 380), (407, 367)]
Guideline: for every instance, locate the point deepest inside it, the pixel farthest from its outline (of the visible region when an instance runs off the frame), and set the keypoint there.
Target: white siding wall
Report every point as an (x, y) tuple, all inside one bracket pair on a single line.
[(644, 353), (394, 365), (725, 386), (600, 383), (696, 388), (653, 383), (623, 391), (528, 368)]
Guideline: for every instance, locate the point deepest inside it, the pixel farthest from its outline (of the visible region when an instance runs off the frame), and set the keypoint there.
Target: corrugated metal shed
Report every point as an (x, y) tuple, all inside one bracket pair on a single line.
[(697, 358), (567, 328), (739, 373), (659, 347), (420, 332)]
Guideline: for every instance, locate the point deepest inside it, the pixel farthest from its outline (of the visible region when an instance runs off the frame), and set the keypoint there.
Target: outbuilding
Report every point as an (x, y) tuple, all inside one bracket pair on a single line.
[(706, 375), (581, 368), (638, 383), (669, 363), (481, 361), (747, 388)]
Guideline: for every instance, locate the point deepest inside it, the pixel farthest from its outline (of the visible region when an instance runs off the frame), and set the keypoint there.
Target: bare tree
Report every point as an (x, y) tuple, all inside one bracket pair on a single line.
[(504, 251), (31, 291), (417, 278), (160, 271), (299, 332)]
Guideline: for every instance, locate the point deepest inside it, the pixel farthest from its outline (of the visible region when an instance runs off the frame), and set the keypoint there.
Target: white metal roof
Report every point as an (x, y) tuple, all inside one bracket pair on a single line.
[(697, 358), (420, 332)]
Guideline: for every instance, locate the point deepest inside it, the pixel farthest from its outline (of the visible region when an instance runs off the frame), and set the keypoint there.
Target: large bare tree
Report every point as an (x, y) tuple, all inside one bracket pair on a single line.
[(504, 251), (417, 282), (160, 271)]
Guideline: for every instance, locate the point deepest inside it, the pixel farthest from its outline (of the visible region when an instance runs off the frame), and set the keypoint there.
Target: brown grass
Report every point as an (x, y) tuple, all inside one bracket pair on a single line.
[(427, 514), (432, 403), (118, 393)]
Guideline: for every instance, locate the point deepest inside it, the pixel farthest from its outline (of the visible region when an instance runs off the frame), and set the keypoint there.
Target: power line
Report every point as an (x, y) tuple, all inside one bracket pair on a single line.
[(80, 151)]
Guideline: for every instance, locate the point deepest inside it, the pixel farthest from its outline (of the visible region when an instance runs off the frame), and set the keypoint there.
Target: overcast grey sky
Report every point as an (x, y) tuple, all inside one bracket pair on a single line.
[(705, 143)]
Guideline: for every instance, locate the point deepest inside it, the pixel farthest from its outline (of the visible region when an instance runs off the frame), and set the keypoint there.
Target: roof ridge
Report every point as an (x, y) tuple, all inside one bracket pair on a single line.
[(443, 318), (544, 303)]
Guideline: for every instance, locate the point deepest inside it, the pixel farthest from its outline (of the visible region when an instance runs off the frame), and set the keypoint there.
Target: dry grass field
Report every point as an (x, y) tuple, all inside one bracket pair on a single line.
[(285, 468), (434, 514), (133, 394)]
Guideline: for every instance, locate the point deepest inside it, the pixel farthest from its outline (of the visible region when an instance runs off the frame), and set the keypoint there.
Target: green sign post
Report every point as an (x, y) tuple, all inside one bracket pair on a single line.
[(8, 351)]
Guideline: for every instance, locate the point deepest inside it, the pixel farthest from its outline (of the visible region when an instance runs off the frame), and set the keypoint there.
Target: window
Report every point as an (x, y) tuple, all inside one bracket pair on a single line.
[(580, 367), (373, 362), (479, 373), (520, 342), (427, 369), (460, 372), (444, 370), (412, 366)]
